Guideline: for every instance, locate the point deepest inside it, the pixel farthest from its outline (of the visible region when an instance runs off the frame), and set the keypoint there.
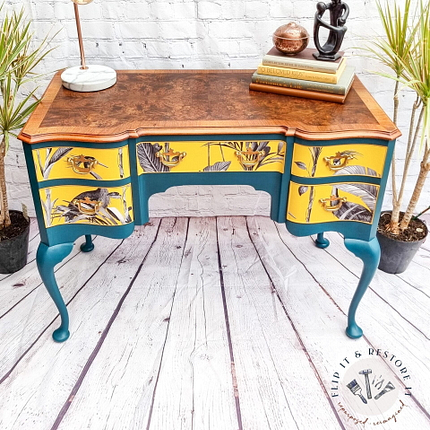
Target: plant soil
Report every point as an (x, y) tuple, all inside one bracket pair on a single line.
[(416, 230), (19, 224)]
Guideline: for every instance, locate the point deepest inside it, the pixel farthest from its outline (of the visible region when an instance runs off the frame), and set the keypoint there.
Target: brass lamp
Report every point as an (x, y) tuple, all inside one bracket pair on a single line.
[(86, 78)]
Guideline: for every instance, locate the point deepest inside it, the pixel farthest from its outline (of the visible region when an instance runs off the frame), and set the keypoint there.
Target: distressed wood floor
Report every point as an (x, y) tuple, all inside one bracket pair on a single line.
[(207, 323)]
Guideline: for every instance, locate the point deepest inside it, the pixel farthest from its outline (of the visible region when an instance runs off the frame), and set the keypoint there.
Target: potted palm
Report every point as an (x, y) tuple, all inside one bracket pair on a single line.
[(405, 49), (18, 59)]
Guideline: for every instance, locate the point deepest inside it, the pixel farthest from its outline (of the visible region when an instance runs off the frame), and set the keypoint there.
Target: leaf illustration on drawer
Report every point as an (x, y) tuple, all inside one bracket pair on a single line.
[(354, 211), (146, 154), (302, 189), (220, 166), (121, 162), (48, 206), (301, 165), (94, 207), (366, 192), (46, 166), (315, 154), (358, 170), (251, 155)]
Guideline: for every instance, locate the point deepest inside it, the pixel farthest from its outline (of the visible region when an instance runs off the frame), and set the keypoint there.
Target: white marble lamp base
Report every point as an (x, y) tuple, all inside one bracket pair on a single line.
[(93, 78)]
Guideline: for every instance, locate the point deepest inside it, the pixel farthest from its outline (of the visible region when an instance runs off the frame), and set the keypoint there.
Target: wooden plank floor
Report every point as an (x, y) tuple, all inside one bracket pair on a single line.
[(226, 323)]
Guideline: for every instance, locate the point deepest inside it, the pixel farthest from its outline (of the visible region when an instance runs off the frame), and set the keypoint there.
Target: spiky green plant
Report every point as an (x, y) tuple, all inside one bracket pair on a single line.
[(18, 60), (405, 49), (416, 75)]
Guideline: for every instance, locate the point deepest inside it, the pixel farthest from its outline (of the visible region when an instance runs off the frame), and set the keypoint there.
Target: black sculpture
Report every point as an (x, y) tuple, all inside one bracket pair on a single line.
[(339, 12)]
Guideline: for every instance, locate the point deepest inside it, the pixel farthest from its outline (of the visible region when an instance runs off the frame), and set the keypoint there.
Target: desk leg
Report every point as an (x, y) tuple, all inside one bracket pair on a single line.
[(47, 258), (88, 246), (321, 241), (370, 253)]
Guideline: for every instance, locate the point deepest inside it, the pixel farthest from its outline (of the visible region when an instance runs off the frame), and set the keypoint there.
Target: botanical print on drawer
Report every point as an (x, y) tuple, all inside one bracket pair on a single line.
[(333, 159), (83, 163), (213, 156), (68, 204), (352, 201)]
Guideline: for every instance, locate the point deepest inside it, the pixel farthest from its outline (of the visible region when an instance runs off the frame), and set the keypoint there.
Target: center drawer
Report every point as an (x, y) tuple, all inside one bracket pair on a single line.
[(211, 156)]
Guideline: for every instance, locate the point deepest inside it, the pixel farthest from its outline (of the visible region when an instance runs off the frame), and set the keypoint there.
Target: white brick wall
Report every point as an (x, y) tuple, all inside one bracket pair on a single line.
[(173, 34)]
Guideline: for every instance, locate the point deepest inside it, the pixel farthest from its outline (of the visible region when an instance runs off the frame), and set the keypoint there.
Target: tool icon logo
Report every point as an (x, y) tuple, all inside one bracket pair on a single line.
[(370, 388)]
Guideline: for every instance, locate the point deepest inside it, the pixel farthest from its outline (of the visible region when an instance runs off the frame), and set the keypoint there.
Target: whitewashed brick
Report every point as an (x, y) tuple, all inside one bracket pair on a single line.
[(98, 30), (172, 11), (233, 9), (256, 9), (209, 10), (45, 12), (116, 11), (138, 29), (181, 29), (282, 10), (304, 10), (224, 30)]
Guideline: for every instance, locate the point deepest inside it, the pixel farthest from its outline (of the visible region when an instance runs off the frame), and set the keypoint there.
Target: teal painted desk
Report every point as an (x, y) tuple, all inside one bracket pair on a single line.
[(94, 159)]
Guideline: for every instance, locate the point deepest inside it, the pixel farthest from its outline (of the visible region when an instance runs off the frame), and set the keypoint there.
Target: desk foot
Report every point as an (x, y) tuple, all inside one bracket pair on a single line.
[(321, 241), (47, 258), (88, 246), (60, 335), (369, 253)]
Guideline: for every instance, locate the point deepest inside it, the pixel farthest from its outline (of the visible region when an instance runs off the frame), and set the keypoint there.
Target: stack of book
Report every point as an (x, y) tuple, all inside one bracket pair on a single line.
[(303, 76)]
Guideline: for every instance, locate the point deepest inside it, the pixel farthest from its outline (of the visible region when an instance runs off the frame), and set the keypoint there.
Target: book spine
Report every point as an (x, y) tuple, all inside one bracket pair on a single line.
[(298, 84), (314, 66), (305, 75), (297, 93)]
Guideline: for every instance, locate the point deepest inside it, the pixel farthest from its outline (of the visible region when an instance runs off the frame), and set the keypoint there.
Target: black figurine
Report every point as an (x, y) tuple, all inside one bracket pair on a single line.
[(339, 12)]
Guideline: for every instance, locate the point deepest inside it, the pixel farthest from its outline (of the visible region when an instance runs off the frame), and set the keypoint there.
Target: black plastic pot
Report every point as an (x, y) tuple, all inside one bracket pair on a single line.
[(13, 252), (395, 254)]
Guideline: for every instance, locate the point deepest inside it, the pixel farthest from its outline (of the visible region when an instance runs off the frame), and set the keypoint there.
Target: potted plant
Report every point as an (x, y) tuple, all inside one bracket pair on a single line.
[(405, 49), (18, 58)]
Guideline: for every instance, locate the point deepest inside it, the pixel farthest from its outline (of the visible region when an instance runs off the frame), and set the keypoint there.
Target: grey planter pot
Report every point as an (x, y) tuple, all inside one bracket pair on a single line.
[(397, 255), (13, 252)]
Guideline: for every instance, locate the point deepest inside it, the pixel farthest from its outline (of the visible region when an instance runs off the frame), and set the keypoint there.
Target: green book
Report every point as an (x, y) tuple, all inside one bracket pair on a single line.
[(342, 87), (303, 60)]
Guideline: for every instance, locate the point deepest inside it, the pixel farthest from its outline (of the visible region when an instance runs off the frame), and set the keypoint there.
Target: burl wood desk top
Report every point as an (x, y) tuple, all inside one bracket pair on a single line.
[(186, 102)]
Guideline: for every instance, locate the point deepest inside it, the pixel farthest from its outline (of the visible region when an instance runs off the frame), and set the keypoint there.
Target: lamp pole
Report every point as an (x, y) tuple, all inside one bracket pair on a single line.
[(81, 43)]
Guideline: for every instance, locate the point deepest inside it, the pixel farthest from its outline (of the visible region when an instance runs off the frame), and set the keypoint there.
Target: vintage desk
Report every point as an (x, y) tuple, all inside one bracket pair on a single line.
[(94, 159)]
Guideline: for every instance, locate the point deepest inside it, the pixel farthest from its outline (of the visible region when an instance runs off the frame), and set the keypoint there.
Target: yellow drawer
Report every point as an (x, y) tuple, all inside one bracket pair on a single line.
[(349, 159), (84, 163), (71, 204), (213, 156), (352, 201)]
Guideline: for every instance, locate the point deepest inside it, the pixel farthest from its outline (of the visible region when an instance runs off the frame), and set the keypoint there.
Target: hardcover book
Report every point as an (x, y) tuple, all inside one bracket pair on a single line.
[(314, 95), (303, 60), (306, 75), (341, 88)]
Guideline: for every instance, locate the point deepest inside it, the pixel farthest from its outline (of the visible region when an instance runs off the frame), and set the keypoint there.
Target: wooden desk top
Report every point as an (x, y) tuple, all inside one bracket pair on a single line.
[(186, 102)]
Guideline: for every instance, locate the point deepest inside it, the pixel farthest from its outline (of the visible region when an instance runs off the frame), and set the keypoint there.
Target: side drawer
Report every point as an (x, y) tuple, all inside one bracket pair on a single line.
[(349, 159), (71, 204), (68, 162), (211, 156), (352, 201)]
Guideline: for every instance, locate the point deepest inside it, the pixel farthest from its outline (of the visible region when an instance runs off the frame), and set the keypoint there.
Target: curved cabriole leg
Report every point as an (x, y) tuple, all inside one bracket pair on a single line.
[(47, 258), (321, 241), (370, 253), (88, 246)]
